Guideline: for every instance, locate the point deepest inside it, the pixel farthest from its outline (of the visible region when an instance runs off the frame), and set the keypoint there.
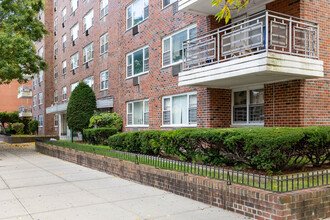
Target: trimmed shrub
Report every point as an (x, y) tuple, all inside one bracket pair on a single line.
[(81, 107), (33, 126), (98, 136), (106, 120), (18, 128)]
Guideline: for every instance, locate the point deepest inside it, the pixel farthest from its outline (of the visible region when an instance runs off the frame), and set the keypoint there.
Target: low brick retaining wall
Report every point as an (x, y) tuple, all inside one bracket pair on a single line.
[(248, 201), (22, 139)]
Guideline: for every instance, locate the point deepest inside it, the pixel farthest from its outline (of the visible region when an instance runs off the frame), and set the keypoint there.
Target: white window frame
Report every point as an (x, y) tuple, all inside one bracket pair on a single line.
[(55, 24), (144, 62), (73, 67), (56, 73), (171, 102), (56, 119), (106, 85), (64, 67), (88, 80), (75, 6), (74, 32), (170, 37), (88, 49), (56, 48), (132, 113), (172, 2), (34, 101), (41, 76), (104, 39), (104, 7), (87, 16), (41, 52), (64, 93), (247, 90), (64, 12), (56, 96), (64, 39), (130, 7), (40, 98), (41, 121)]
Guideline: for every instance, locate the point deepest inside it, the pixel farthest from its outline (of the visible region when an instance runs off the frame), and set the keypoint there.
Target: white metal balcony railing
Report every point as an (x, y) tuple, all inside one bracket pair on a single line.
[(24, 88), (24, 109), (266, 31)]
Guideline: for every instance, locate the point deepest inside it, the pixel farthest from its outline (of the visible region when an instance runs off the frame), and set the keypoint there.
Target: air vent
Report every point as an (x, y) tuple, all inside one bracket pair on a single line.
[(176, 70), (135, 30), (136, 81)]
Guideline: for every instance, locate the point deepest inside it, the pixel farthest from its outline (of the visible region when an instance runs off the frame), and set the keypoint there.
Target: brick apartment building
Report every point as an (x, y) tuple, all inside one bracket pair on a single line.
[(165, 64)]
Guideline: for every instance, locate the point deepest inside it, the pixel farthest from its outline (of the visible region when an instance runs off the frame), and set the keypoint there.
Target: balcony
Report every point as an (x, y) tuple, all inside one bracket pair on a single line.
[(265, 48), (24, 92), (25, 111)]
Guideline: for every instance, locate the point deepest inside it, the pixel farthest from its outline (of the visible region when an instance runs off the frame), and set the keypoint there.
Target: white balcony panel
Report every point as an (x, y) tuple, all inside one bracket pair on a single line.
[(25, 114), (255, 69)]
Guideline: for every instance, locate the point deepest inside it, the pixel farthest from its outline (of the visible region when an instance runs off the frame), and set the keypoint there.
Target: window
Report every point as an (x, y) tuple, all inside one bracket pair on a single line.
[(248, 106), (90, 81), (74, 85), (34, 101), (41, 52), (88, 53), (104, 80), (56, 73), (172, 45), (74, 32), (74, 5), (137, 12), (168, 2), (55, 3), (88, 20), (56, 120), (138, 113), (180, 110), (104, 42), (64, 42), (138, 62), (75, 61), (41, 76), (64, 67), (104, 7), (64, 15), (55, 49), (56, 96), (41, 95), (55, 24), (64, 93), (41, 121)]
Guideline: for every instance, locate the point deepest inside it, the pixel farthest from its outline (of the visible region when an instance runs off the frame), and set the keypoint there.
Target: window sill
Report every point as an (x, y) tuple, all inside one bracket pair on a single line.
[(102, 54), (178, 126), (137, 126), (140, 74), (88, 61), (136, 24)]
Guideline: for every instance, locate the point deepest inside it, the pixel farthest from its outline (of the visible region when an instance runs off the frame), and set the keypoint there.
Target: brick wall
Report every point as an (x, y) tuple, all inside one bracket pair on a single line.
[(248, 201)]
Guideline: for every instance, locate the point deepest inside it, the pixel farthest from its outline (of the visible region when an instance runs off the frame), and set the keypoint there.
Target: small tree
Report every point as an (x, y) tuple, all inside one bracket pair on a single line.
[(4, 118), (81, 107), (33, 126), (18, 127)]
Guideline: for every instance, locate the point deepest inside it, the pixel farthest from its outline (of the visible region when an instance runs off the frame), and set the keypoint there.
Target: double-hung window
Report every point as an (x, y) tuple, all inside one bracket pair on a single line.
[(75, 32), (172, 45), (56, 96), (104, 43), (74, 5), (55, 73), (137, 62), (40, 96), (104, 7), (55, 50), (64, 42), (248, 106), (64, 92), (34, 101), (167, 2), (64, 67), (180, 110), (138, 113), (41, 120), (88, 20), (74, 86), (41, 52), (64, 15), (137, 12), (88, 53), (75, 61), (55, 24), (104, 80), (41, 76), (90, 81), (56, 120)]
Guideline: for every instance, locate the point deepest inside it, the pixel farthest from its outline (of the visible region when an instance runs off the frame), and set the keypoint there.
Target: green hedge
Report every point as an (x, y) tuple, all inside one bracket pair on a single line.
[(98, 135), (271, 149)]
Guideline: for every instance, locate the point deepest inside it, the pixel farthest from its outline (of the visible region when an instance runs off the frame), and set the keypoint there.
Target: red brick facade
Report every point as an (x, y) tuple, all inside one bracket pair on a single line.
[(294, 103)]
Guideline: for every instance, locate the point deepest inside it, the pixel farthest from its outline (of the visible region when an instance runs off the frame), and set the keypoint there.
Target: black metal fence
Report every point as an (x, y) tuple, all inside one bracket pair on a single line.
[(274, 183)]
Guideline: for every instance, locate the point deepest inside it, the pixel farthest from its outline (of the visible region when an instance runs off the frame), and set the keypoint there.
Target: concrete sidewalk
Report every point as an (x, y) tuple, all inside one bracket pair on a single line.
[(35, 186)]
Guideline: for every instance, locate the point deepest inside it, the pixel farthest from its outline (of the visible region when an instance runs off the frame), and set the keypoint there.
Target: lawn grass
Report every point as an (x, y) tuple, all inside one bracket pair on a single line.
[(279, 183)]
